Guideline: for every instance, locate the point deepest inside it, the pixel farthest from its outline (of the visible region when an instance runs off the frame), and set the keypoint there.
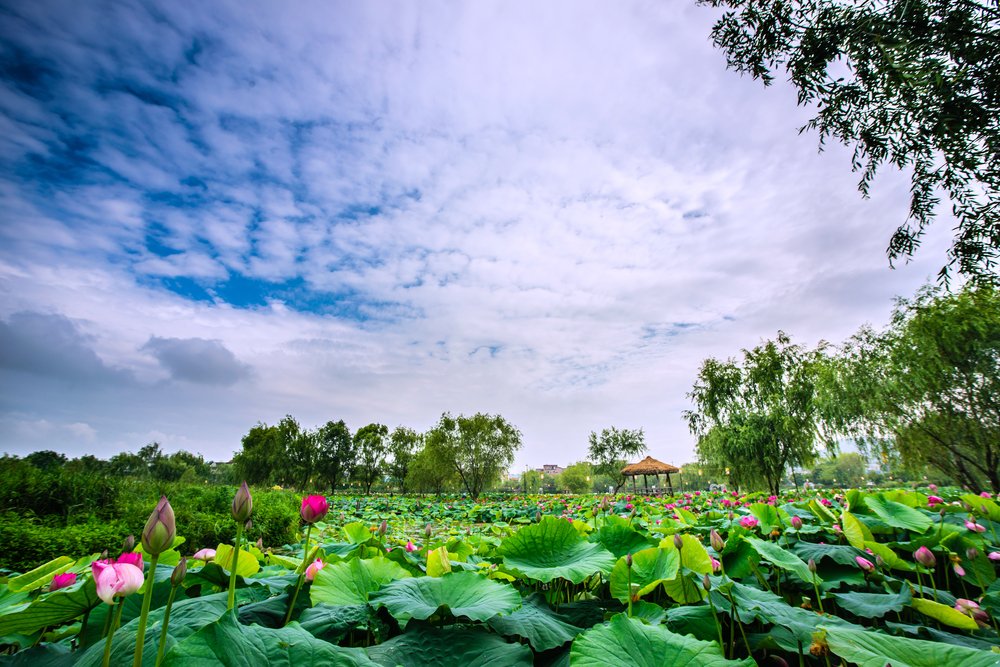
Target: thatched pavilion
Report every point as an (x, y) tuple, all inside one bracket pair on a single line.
[(650, 467)]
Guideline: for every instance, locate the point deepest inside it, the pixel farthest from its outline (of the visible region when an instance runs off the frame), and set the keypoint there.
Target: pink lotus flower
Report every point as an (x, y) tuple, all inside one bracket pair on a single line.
[(925, 557), (975, 527), (314, 508), (864, 563), (62, 581), (973, 610), (796, 523), (716, 565), (410, 546), (934, 500), (131, 558), (932, 487), (825, 501), (748, 521), (985, 494), (115, 580), (994, 556), (313, 568), (204, 554)]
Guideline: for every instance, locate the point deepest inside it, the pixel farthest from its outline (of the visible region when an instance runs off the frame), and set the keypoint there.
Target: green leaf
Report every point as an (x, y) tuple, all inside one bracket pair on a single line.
[(462, 593), (450, 646), (873, 649), (246, 564), (856, 532), (982, 506), (650, 568), (889, 556), (554, 549), (40, 576), (694, 558), (767, 515), (226, 642), (944, 613), (782, 558), (352, 581), (357, 533), (898, 515), (874, 605), (535, 621), (627, 642), (617, 536), (438, 562), (838, 553), (822, 513), (53, 608), (332, 622)]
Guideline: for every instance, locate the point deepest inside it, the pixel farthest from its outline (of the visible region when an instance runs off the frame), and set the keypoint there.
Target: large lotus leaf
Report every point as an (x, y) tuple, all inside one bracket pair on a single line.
[(874, 605), (53, 608), (333, 622), (227, 642), (856, 532), (40, 576), (450, 646), (982, 506), (768, 517), (650, 568), (888, 556), (351, 582), (690, 619), (839, 553), (246, 564), (782, 558), (874, 649), (552, 549), (684, 587), (933, 634), (357, 533), (944, 613), (617, 536), (821, 513), (628, 642), (462, 593), (898, 515), (535, 621)]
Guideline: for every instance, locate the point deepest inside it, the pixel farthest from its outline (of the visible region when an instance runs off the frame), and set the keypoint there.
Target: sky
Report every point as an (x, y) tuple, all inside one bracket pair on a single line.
[(214, 214)]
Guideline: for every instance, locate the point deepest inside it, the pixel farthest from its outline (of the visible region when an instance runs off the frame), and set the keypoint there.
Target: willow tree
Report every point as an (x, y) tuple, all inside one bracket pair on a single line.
[(926, 389), (480, 449), (757, 416)]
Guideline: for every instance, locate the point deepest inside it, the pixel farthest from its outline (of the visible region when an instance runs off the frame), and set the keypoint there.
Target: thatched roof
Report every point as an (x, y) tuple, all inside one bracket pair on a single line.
[(649, 466)]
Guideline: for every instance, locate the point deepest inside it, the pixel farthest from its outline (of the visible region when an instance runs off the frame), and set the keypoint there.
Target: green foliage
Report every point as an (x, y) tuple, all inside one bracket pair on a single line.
[(480, 448), (431, 470), (577, 478), (336, 457), (403, 445), (927, 388), (609, 451), (914, 83), (844, 470), (757, 417), (371, 446)]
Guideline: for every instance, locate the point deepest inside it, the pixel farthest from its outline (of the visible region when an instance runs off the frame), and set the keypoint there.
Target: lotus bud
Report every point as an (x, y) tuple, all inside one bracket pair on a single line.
[(204, 554), (242, 503), (260, 543), (879, 561), (538, 517), (706, 583), (313, 568), (972, 609), (383, 527), (180, 571), (428, 531), (812, 566), (314, 508), (796, 523), (925, 557), (129, 543), (628, 560), (864, 563), (972, 553), (678, 541), (158, 535), (994, 556), (716, 540), (62, 581)]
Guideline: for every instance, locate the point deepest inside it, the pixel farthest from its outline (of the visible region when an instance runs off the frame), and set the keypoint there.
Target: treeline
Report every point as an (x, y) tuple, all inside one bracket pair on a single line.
[(471, 454), (921, 394)]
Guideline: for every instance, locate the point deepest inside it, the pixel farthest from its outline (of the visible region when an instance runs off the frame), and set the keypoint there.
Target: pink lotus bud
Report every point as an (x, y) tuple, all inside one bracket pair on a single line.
[(538, 517), (158, 535), (129, 543), (313, 568), (932, 487), (796, 523), (628, 560), (410, 546), (716, 565), (115, 580), (716, 540), (383, 527), (62, 581), (864, 563), (242, 504), (812, 566), (749, 521), (678, 542), (934, 500), (994, 556), (973, 610), (706, 583), (180, 571), (975, 527), (260, 543), (314, 508), (837, 529), (204, 554), (925, 557), (132, 558)]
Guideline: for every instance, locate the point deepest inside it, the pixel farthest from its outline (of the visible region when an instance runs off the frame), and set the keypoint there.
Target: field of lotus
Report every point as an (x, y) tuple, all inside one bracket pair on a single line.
[(873, 578)]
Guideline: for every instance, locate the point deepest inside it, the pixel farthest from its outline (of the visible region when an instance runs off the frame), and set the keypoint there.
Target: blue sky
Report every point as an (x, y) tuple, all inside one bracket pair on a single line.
[(213, 214)]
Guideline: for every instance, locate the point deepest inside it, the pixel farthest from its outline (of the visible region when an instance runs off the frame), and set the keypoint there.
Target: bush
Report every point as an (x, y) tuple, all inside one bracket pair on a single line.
[(33, 542)]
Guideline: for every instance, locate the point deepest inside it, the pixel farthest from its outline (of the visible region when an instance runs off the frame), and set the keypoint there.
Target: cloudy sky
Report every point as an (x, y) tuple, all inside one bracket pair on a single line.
[(218, 213)]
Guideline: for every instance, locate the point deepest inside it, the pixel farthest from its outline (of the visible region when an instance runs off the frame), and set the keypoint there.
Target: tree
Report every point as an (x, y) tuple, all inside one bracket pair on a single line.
[(608, 452), (480, 448), (577, 478), (758, 417), (403, 444), (371, 447), (335, 455), (46, 459), (844, 470), (927, 387), (432, 470), (261, 455), (915, 83)]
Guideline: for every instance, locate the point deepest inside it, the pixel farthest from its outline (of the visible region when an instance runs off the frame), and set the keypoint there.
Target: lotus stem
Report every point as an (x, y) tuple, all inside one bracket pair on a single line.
[(819, 598), (232, 573), (302, 569), (162, 647), (147, 598), (111, 631)]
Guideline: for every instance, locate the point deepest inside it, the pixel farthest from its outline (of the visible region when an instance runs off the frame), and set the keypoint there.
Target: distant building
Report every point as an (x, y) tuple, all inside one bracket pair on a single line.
[(551, 469)]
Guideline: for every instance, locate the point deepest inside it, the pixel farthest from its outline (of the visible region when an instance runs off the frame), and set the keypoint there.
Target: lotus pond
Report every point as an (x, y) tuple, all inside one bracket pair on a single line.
[(873, 578)]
